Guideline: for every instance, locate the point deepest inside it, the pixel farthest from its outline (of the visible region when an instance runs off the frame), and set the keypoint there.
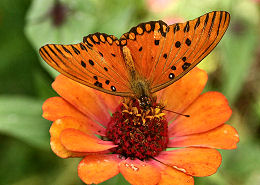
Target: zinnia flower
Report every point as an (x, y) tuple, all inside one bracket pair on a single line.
[(154, 146)]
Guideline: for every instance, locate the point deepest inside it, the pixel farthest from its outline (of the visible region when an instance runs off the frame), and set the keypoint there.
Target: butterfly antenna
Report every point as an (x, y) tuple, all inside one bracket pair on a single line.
[(186, 115)]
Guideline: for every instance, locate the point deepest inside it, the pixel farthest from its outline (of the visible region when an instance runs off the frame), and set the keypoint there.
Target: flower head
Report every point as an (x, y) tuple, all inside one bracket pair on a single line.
[(148, 146)]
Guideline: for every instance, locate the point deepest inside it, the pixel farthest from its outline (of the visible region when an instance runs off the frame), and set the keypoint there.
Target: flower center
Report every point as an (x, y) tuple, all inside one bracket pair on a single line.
[(139, 133)]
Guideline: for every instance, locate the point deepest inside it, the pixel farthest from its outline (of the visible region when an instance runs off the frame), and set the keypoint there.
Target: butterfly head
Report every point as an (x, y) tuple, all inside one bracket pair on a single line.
[(145, 102)]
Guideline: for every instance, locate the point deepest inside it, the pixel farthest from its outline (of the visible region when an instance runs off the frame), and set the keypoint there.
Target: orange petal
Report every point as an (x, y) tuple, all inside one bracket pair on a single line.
[(110, 101), (56, 107), (183, 92), (62, 152), (192, 161), (171, 176), (209, 111), (83, 98), (137, 172), (57, 127), (77, 141), (222, 137), (98, 168)]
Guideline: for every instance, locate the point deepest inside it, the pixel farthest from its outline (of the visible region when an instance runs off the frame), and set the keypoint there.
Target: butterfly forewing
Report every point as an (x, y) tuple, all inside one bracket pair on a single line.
[(189, 44), (96, 62), (144, 43)]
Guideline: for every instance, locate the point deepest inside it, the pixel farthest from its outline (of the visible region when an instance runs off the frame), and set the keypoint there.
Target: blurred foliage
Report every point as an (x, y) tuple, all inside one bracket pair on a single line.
[(25, 79)]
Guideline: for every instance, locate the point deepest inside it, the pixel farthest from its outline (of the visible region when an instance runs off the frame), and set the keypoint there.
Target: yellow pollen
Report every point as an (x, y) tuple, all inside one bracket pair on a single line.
[(125, 111), (161, 114), (143, 121), (135, 110), (126, 107), (157, 110), (147, 112)]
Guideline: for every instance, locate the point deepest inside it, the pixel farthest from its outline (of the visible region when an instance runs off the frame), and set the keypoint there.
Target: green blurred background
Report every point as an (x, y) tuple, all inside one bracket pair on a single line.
[(25, 80)]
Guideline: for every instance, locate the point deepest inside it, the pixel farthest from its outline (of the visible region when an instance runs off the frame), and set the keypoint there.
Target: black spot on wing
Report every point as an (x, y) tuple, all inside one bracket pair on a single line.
[(220, 19), (206, 20), (59, 51), (171, 76), (91, 62), (188, 42), (226, 14), (83, 64), (82, 47), (176, 28), (43, 48), (75, 50), (197, 24), (212, 23), (177, 44), (187, 27), (66, 50), (113, 88), (185, 66), (173, 68)]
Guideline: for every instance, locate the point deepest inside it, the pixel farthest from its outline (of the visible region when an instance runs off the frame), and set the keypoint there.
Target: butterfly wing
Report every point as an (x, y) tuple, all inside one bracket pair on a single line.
[(144, 42), (96, 62), (169, 52)]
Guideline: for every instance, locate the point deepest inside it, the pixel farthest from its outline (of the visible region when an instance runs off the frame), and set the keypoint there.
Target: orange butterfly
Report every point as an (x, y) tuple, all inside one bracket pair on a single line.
[(148, 58)]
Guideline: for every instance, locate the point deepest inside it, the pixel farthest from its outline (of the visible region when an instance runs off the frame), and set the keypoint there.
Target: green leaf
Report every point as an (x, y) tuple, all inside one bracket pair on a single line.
[(21, 118), (43, 86), (237, 60)]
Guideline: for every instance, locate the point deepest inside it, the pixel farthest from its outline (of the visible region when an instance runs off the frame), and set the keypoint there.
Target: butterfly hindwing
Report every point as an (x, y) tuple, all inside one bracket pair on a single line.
[(96, 62)]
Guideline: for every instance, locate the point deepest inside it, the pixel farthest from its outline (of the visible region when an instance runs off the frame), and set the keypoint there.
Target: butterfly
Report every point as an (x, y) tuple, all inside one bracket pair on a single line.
[(148, 58)]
